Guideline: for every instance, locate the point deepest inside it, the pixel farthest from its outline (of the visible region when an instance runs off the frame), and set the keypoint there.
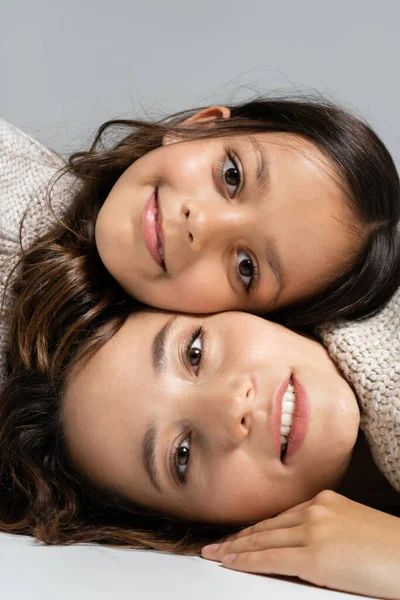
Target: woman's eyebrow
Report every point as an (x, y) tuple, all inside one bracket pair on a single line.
[(159, 344), (149, 456)]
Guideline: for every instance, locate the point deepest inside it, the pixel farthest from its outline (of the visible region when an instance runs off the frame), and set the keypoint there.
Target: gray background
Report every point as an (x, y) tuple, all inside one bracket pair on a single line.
[(65, 67), (68, 66)]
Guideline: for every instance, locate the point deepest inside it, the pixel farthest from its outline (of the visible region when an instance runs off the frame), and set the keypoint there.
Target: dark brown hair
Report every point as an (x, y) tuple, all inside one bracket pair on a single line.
[(68, 306), (64, 286), (42, 494)]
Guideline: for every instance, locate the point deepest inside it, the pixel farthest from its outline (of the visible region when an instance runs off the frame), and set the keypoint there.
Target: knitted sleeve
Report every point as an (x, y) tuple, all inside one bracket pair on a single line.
[(368, 355), (26, 168)]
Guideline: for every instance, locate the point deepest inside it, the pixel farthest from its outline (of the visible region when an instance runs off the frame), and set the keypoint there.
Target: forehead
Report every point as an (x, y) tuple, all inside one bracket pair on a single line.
[(129, 347), (282, 144), (295, 151), (98, 387), (105, 405)]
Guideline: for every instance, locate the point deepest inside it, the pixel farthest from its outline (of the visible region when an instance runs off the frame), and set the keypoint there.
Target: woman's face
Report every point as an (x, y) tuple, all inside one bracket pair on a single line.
[(239, 223), (183, 414)]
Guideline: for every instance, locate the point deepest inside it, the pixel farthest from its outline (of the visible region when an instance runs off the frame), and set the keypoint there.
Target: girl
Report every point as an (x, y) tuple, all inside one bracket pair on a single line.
[(274, 206), (180, 429), (56, 480)]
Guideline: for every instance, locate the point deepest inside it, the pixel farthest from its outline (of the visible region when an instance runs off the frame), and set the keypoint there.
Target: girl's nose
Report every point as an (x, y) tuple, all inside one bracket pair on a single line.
[(210, 222)]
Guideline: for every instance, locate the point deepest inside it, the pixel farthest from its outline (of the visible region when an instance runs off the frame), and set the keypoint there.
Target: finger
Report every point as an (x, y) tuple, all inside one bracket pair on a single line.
[(278, 561), (281, 521), (277, 538), (297, 508)]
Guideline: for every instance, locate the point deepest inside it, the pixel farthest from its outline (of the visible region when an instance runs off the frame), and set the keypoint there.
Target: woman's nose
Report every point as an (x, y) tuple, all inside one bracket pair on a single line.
[(210, 222), (230, 409)]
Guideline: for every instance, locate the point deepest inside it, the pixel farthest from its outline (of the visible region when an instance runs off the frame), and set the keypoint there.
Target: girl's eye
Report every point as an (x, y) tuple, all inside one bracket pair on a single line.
[(231, 174), (246, 270), (194, 350), (181, 459)]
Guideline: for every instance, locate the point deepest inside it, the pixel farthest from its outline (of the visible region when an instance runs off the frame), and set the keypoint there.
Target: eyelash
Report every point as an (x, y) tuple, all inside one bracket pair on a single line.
[(249, 287), (182, 477), (198, 333), (235, 160)]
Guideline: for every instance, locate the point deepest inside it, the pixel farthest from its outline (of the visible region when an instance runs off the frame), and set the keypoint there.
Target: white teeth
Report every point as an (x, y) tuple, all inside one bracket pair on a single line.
[(288, 404), (286, 419), (289, 396), (287, 407)]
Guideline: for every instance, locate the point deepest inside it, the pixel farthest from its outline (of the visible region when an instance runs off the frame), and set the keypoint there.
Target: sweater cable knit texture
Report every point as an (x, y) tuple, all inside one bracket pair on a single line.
[(368, 354), (26, 168)]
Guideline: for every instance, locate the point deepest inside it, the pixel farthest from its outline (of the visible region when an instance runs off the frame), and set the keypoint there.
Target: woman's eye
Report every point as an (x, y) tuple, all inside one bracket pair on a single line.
[(231, 175), (246, 269), (195, 350), (181, 457)]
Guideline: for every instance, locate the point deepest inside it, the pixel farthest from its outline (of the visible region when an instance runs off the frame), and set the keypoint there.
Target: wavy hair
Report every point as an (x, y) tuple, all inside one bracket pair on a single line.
[(44, 495), (64, 284), (67, 306)]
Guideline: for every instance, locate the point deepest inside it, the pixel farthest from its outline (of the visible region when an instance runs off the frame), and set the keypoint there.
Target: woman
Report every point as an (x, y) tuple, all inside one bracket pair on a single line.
[(180, 428), (330, 540), (68, 308)]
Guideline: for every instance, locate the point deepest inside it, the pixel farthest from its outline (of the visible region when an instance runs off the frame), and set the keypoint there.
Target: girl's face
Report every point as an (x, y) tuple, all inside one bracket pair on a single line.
[(239, 223), (183, 414)]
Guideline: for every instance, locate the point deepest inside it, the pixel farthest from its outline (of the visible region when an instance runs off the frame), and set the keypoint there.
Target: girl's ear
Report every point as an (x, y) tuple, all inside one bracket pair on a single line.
[(207, 115)]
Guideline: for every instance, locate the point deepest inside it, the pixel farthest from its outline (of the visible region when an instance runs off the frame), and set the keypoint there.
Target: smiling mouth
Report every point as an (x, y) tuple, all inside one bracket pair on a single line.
[(160, 237), (288, 407), (295, 419), (151, 225)]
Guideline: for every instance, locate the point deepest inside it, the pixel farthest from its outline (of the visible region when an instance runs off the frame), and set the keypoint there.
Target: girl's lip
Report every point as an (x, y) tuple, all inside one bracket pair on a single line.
[(151, 229), (301, 418), (159, 229)]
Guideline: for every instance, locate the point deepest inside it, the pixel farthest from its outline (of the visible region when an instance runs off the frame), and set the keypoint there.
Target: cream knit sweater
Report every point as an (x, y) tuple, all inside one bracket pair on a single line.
[(368, 354), (26, 167)]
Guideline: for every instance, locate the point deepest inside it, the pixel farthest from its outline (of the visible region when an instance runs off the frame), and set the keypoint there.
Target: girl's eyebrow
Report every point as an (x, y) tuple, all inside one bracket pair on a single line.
[(274, 261), (270, 251), (159, 344), (262, 177)]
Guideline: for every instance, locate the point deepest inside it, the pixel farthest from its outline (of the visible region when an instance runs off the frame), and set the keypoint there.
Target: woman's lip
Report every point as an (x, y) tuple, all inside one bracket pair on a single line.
[(150, 229), (277, 413), (301, 419)]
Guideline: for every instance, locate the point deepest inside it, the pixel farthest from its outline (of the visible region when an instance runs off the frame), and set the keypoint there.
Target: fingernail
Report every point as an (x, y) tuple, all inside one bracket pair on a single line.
[(228, 559), (210, 549)]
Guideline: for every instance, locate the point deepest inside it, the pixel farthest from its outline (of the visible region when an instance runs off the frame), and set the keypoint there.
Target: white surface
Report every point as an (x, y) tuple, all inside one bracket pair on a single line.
[(29, 571)]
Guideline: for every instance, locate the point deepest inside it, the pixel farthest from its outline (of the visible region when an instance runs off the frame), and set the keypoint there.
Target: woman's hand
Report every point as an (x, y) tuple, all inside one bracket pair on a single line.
[(330, 541)]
